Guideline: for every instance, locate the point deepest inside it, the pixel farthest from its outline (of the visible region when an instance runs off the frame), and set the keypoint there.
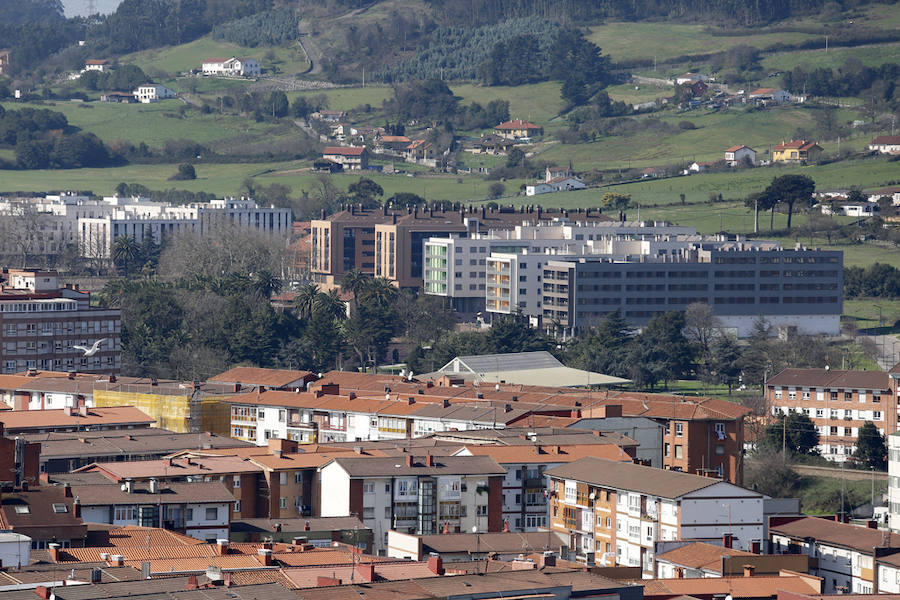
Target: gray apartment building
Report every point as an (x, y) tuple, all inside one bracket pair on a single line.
[(741, 281)]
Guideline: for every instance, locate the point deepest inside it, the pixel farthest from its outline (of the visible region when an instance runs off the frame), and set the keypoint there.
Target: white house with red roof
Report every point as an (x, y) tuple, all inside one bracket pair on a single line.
[(233, 66), (100, 65), (769, 95), (737, 154), (517, 129), (886, 144), (350, 157)]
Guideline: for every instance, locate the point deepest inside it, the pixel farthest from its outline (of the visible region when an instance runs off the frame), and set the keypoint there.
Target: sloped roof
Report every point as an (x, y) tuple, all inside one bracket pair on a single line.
[(49, 419), (829, 531), (343, 150), (832, 378), (637, 478), (887, 140), (796, 145), (443, 465), (544, 454), (493, 541), (735, 587), (736, 148), (700, 555), (258, 376), (517, 124), (168, 493), (529, 368)]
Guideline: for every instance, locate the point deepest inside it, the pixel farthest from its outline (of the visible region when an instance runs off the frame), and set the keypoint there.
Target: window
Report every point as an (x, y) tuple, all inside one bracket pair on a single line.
[(124, 513), (679, 429), (368, 512), (368, 488), (481, 510), (212, 513), (23, 509), (298, 477), (282, 478), (189, 514), (667, 450), (237, 506), (679, 451), (282, 502), (60, 508), (876, 415)]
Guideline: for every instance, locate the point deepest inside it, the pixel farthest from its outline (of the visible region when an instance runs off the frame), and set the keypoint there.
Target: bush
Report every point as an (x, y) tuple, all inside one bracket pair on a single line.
[(267, 28), (686, 125), (185, 172)]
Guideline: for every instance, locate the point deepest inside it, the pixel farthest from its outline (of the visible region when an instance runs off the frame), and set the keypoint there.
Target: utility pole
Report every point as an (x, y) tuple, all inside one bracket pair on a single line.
[(784, 438), (756, 215)]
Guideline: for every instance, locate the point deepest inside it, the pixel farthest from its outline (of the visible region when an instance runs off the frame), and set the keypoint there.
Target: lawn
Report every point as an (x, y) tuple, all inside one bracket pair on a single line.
[(869, 173), (152, 123), (347, 98), (835, 57), (822, 495), (627, 41), (712, 132), (636, 93), (866, 313), (537, 102), (177, 59)]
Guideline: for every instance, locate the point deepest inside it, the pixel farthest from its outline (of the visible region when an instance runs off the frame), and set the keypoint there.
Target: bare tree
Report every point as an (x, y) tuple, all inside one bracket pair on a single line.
[(223, 250), (702, 326), (21, 233)]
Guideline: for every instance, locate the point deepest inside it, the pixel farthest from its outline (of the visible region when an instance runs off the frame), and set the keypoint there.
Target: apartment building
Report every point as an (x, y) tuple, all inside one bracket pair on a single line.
[(614, 512), (838, 402), (200, 510), (414, 494), (893, 444), (524, 486), (741, 281), (326, 415), (122, 418), (347, 239), (847, 555), (93, 224), (41, 323)]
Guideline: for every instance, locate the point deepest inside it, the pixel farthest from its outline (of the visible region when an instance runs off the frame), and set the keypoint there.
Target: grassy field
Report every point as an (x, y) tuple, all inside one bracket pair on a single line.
[(634, 94), (865, 310), (152, 123), (350, 97), (176, 59), (835, 57), (822, 495), (870, 173), (627, 41), (537, 103)]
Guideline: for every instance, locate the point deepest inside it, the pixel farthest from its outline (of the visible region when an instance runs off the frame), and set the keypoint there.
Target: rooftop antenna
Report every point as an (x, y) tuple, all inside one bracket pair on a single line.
[(91, 7)]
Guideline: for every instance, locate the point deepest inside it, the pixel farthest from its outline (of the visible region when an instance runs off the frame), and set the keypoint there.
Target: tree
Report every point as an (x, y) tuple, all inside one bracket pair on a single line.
[(795, 432), (788, 189), (125, 249), (306, 300), (761, 201), (512, 333), (870, 447), (604, 348), (496, 190), (365, 191), (265, 284), (619, 201), (278, 104), (724, 363), (661, 352), (702, 327), (185, 172)]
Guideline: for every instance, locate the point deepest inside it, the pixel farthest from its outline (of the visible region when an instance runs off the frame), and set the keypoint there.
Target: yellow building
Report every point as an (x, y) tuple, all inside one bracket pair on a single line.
[(518, 129), (183, 407), (796, 151)]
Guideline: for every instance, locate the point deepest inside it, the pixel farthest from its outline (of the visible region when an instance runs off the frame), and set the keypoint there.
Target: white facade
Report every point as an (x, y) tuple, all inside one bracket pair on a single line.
[(862, 209), (202, 520), (514, 283), (15, 549), (805, 324), (560, 184), (893, 442), (153, 93), (839, 567), (737, 156), (242, 67)]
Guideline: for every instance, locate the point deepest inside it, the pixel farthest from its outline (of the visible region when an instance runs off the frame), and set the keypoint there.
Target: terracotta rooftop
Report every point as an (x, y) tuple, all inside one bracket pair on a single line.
[(343, 150), (493, 542), (172, 468), (168, 493), (795, 145), (545, 454), (734, 587), (384, 571), (517, 124), (23, 420), (736, 148), (887, 140), (828, 531), (700, 555), (268, 377), (831, 378), (638, 478), (443, 465)]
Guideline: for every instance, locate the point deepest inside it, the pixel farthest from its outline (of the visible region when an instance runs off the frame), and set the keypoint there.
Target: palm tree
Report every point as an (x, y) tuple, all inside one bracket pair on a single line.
[(306, 300), (266, 284), (382, 292), (125, 249), (330, 305), (355, 281)]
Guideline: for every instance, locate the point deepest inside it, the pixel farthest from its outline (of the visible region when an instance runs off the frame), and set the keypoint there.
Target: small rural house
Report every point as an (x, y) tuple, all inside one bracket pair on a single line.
[(99, 65), (153, 92), (736, 155), (349, 157), (240, 67), (796, 151), (517, 129), (886, 144)]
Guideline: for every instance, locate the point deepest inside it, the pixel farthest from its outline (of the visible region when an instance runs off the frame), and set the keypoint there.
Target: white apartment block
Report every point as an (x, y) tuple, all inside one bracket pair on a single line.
[(414, 494), (893, 441), (153, 92), (94, 224), (329, 417), (615, 512)]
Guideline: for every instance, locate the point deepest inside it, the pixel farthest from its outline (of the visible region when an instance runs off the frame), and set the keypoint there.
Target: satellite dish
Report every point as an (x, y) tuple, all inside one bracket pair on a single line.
[(474, 528)]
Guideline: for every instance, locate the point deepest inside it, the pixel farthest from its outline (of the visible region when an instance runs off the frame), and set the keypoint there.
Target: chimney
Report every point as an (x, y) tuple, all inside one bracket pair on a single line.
[(299, 541), (226, 579), (237, 387), (872, 524), (43, 592), (727, 540), (96, 575), (679, 573), (53, 549), (409, 460), (112, 378), (756, 547), (277, 527), (548, 559), (749, 570), (265, 556), (221, 547), (71, 375), (306, 526), (76, 507), (366, 572), (507, 407), (351, 396), (435, 563), (117, 560), (445, 403), (154, 486), (191, 583), (67, 490), (505, 526), (429, 460), (83, 410)]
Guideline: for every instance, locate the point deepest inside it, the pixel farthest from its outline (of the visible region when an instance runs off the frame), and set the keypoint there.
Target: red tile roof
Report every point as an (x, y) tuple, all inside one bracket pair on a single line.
[(831, 378), (736, 148), (384, 571), (266, 377), (700, 555), (343, 151), (517, 124), (795, 145), (735, 587), (59, 419), (166, 468), (886, 140)]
